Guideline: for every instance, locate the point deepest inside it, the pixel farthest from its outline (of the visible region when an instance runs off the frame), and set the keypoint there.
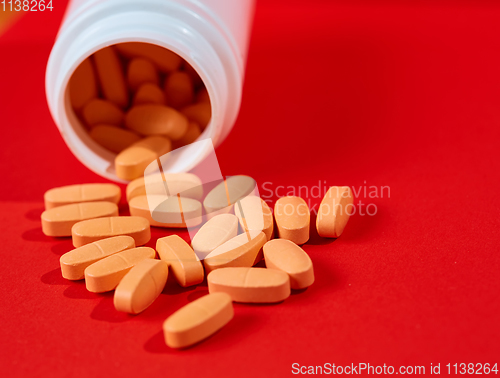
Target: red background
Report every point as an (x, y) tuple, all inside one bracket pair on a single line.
[(398, 94)]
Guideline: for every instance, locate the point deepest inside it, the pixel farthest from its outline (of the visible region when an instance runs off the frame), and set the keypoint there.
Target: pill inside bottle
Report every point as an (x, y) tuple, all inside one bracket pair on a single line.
[(145, 90)]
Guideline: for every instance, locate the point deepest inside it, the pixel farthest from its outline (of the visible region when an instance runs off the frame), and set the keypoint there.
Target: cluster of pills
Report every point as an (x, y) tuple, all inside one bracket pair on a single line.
[(139, 101), (238, 234)]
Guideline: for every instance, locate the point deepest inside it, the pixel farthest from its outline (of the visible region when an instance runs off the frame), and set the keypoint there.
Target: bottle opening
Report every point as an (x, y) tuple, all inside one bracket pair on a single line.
[(133, 100)]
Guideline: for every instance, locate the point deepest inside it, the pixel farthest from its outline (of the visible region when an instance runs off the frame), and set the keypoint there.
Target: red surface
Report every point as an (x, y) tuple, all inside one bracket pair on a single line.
[(405, 95)]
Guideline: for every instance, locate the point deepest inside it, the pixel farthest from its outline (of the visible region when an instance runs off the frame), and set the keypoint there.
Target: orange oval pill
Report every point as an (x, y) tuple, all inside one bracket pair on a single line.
[(102, 112), (106, 274), (66, 195), (91, 230), (139, 288), (186, 184), (255, 215), (242, 250), (73, 263), (180, 257), (111, 76), (292, 219), (141, 71), (200, 113), (132, 161), (215, 232), (287, 256), (179, 89), (149, 94), (192, 133), (82, 85), (227, 193), (113, 138), (59, 220), (334, 211), (250, 285), (198, 320), (162, 211), (153, 119), (164, 59)]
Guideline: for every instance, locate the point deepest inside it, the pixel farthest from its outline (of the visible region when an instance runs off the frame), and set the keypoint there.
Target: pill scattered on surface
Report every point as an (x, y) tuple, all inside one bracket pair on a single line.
[(69, 194), (114, 139), (82, 85), (91, 230), (111, 76), (287, 256), (188, 184), (139, 288), (244, 250), (179, 89), (250, 285), (104, 275), (152, 119), (141, 71), (162, 211), (149, 94), (132, 161), (74, 262), (214, 233), (180, 257), (102, 112), (334, 211), (58, 221), (200, 113), (228, 192), (198, 320), (164, 59), (254, 214), (292, 219)]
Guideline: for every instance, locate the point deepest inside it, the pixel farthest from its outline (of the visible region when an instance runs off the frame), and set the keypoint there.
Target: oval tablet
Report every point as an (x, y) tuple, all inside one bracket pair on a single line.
[(114, 139), (132, 161), (292, 219), (198, 320), (164, 59), (287, 256), (82, 85), (163, 211), (215, 232), (106, 274), (149, 94), (102, 112), (111, 76), (250, 285), (59, 220), (179, 89), (139, 288), (73, 263), (153, 119), (200, 113), (255, 215), (141, 71), (91, 230), (242, 250), (334, 211), (185, 265), (187, 184), (228, 192), (69, 194)]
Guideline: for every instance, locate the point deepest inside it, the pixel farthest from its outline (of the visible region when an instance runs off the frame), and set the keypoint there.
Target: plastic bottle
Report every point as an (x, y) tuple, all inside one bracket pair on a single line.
[(211, 35)]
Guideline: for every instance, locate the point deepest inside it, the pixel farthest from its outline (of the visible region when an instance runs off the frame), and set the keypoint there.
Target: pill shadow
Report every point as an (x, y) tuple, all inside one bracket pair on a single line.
[(36, 234), (54, 277), (314, 238), (34, 214), (77, 290), (105, 310), (197, 294), (363, 227), (220, 340), (63, 247)]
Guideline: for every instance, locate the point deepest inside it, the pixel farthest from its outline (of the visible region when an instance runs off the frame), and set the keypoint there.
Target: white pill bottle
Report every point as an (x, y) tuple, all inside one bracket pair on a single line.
[(211, 35)]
